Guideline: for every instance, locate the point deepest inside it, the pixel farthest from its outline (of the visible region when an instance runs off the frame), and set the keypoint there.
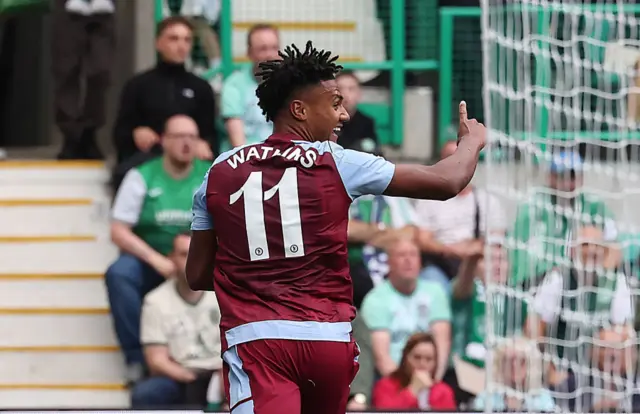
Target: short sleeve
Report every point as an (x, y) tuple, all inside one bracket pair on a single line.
[(129, 198), (201, 220), (621, 305), (543, 403), (546, 302), (151, 328), (440, 307), (375, 312), (362, 173), (232, 99)]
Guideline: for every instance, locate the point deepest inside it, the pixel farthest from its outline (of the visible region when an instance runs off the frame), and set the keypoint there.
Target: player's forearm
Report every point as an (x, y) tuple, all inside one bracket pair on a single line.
[(127, 241), (441, 181)]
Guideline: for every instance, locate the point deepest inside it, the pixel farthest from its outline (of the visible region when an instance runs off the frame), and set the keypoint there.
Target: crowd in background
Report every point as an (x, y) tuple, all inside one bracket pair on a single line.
[(419, 268)]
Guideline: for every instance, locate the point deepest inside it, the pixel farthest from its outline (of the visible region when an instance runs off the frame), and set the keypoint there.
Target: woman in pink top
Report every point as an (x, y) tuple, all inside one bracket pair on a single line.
[(412, 385)]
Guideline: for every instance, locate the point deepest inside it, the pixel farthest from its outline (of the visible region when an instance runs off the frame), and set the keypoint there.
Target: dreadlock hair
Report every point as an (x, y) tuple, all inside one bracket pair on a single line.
[(296, 70)]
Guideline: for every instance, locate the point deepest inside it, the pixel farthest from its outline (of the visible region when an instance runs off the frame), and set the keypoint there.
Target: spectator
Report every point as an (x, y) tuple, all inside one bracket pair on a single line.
[(455, 229), (83, 48), (152, 206), (572, 306), (150, 98), (545, 222), (413, 385), (468, 308), (375, 223), (359, 132), (243, 119), (203, 15), (181, 337), (403, 305), (518, 367)]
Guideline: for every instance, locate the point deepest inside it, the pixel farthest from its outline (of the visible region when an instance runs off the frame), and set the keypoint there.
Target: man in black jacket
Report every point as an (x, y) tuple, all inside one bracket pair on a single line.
[(360, 132), (150, 98)]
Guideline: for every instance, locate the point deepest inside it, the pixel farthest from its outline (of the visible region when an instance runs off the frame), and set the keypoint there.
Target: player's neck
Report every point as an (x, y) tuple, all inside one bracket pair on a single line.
[(176, 170), (283, 128)]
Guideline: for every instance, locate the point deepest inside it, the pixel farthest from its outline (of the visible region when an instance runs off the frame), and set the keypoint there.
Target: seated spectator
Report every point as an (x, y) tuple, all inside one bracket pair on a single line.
[(572, 307), (152, 206), (553, 211), (413, 385), (518, 368), (181, 336), (456, 228), (403, 305), (359, 133), (468, 311), (150, 98), (375, 223), (243, 118)]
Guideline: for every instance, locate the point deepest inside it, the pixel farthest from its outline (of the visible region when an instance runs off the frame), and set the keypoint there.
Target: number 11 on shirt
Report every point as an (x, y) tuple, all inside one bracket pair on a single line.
[(287, 189)]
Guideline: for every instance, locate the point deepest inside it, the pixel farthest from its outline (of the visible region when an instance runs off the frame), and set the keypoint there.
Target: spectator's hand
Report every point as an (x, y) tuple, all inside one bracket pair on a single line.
[(356, 406), (420, 380), (145, 138), (470, 130), (203, 150), (185, 376), (163, 265)]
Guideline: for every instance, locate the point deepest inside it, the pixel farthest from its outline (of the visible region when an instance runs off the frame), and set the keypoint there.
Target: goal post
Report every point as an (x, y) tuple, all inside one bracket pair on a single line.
[(562, 102)]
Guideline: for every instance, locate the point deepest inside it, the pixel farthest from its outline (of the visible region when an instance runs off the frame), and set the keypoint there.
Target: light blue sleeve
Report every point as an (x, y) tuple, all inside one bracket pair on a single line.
[(481, 401), (232, 98), (201, 218), (362, 173)]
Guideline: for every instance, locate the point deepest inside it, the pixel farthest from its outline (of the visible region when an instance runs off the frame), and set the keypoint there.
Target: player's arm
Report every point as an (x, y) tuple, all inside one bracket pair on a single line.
[(449, 176), (204, 244)]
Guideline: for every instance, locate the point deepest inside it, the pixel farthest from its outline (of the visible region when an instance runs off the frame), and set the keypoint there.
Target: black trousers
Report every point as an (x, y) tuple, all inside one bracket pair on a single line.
[(83, 49)]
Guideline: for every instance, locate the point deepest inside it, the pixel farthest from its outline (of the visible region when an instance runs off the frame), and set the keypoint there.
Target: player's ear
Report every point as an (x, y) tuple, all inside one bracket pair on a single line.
[(298, 110)]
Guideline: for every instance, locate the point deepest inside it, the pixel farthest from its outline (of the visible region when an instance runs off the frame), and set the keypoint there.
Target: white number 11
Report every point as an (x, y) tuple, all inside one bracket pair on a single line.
[(287, 190)]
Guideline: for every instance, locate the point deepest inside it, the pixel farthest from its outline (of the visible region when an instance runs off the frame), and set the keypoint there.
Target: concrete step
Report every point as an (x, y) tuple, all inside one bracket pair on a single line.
[(61, 368), (46, 217), (52, 292), (63, 254), (85, 327), (64, 398)]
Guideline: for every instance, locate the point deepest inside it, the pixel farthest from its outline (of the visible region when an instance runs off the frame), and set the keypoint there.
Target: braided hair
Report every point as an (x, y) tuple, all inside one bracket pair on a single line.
[(296, 70)]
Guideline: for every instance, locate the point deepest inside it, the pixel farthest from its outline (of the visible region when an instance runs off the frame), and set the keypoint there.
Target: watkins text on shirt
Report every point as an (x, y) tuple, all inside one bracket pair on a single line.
[(306, 158)]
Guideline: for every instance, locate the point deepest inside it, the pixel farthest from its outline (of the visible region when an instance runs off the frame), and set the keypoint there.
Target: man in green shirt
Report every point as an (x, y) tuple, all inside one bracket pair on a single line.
[(547, 221), (152, 206), (243, 118)]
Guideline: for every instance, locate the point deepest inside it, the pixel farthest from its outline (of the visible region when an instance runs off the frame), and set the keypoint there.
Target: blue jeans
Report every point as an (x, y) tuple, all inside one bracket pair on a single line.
[(128, 279), (435, 274), (158, 392)]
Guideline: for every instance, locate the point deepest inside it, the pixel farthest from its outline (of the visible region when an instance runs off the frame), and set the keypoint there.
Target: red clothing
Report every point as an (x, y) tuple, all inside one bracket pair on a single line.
[(295, 268), (388, 394)]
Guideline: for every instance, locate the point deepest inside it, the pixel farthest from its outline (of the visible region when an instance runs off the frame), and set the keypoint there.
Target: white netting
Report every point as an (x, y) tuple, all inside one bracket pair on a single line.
[(560, 82)]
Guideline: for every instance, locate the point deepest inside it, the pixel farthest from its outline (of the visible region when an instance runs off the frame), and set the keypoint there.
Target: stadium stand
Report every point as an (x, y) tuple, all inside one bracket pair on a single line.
[(58, 341)]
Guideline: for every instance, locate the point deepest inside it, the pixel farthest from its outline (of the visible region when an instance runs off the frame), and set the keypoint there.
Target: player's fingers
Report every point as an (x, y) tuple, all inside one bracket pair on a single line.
[(463, 111)]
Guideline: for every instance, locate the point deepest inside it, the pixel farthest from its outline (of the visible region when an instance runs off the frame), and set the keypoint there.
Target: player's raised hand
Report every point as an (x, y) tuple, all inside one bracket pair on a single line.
[(470, 130)]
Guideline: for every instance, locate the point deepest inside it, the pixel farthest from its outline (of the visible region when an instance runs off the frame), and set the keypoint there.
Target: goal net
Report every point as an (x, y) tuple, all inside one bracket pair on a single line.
[(561, 84)]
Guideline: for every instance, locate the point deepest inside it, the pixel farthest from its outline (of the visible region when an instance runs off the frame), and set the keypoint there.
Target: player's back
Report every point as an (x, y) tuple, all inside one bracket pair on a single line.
[(280, 211)]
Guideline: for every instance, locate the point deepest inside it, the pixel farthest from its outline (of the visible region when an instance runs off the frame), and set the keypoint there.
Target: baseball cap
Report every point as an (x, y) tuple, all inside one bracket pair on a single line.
[(565, 161)]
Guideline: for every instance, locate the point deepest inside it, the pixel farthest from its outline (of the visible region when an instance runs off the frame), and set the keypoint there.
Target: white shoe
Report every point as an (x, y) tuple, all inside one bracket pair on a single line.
[(102, 7), (82, 7)]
